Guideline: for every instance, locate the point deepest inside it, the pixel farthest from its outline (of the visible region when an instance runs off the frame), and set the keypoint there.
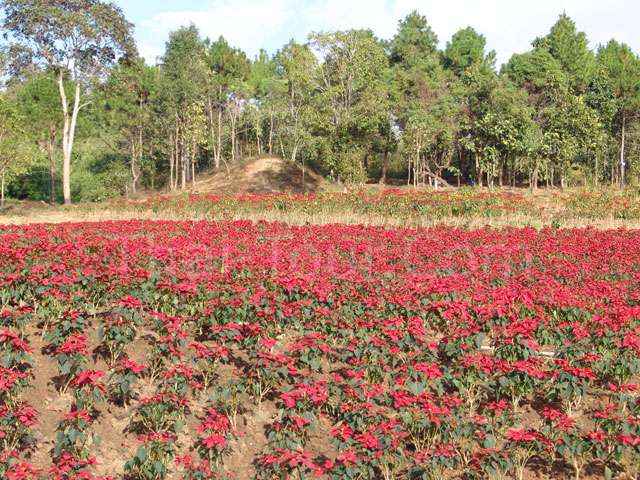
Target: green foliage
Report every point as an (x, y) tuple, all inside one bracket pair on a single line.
[(346, 103), (570, 49), (466, 51), (350, 104)]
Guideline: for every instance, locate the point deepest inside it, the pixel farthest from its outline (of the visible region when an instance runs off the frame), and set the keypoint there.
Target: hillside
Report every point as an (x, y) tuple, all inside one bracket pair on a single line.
[(263, 174), (251, 175)]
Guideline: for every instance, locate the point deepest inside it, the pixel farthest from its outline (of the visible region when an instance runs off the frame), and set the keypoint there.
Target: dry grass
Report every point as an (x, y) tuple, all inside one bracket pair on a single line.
[(107, 213)]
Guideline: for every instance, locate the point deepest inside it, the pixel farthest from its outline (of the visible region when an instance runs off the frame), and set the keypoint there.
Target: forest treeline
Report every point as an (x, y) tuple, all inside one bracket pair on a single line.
[(83, 116)]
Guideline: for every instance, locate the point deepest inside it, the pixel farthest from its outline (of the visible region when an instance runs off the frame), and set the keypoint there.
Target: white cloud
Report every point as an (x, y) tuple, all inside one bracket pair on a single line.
[(323, 15), (149, 53), (243, 23)]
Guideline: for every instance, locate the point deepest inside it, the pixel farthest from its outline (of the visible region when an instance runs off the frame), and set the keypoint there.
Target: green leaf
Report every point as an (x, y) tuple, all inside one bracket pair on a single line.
[(177, 427), (158, 466), (416, 388), (141, 453), (489, 442)]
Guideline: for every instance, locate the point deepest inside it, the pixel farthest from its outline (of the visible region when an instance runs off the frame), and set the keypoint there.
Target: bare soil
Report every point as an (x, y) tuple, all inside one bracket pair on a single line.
[(260, 175), (112, 422)]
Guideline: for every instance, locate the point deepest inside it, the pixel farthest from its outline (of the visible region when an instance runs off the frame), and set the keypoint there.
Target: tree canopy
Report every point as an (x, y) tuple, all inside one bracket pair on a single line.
[(354, 107)]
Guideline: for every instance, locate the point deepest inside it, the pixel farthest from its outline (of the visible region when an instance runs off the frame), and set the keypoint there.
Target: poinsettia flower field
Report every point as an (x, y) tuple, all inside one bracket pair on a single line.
[(206, 350)]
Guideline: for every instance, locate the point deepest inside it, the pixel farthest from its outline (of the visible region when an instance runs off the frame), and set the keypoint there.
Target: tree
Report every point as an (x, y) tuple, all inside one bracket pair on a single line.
[(351, 102), (601, 96), (466, 51), (570, 48), (296, 64), (185, 74), (536, 70), (127, 105), (228, 69), (81, 38), (624, 68), (414, 44), (544, 80), (38, 100), (502, 129), (472, 85), (15, 151), (419, 99)]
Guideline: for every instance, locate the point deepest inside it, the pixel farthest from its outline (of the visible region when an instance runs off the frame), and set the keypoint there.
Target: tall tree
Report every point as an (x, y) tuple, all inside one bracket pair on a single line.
[(38, 100), (127, 105), (415, 42), (601, 96), (419, 98), (351, 100), (296, 65), (571, 49), (184, 69), (15, 151), (228, 69), (542, 76), (466, 50), (474, 80), (624, 68), (77, 37)]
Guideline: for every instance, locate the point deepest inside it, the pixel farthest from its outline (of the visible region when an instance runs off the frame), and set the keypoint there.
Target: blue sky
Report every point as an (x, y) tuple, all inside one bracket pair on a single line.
[(508, 25)]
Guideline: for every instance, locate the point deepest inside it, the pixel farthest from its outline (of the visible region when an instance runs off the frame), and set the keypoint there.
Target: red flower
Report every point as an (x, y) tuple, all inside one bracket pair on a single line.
[(214, 440), (629, 439), (521, 435)]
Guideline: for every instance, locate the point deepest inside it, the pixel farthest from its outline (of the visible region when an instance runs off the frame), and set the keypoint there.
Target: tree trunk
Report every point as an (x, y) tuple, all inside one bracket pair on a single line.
[(66, 155), (622, 164), (534, 178), (304, 182), (385, 158), (478, 170), (232, 115), (66, 144), (132, 144), (177, 162), (416, 171), (52, 166), (490, 181), (171, 160), (219, 152), (134, 156), (193, 169), (183, 167), (216, 149), (140, 146), (546, 175), (595, 179), (271, 130), (258, 143), (2, 189)]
